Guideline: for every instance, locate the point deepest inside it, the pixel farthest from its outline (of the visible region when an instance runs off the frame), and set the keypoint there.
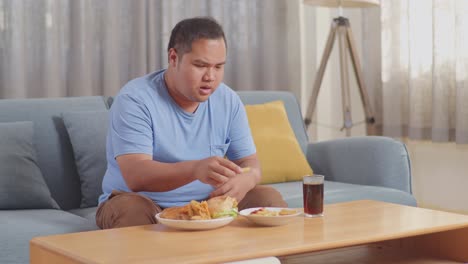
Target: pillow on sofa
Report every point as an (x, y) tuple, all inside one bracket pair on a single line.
[(280, 155), (87, 131), (22, 185)]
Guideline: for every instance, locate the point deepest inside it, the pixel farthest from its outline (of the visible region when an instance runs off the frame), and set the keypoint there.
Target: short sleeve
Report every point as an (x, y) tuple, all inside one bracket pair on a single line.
[(131, 127), (241, 141)]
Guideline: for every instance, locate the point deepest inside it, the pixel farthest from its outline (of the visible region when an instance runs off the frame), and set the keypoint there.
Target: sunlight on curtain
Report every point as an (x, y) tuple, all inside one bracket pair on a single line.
[(54, 48), (424, 75)]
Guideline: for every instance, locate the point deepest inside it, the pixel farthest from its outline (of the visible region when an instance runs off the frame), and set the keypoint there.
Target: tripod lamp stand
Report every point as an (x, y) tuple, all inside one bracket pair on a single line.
[(341, 27)]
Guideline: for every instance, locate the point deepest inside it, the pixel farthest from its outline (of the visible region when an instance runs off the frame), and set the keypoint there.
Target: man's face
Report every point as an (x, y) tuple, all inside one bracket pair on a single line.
[(200, 71)]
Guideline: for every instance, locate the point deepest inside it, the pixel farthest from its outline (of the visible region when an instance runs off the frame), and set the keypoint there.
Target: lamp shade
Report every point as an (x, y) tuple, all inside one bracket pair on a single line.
[(343, 3)]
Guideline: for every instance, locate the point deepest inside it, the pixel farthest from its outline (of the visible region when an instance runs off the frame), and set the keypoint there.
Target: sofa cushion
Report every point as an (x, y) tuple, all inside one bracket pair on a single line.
[(88, 213), (336, 192), (53, 147), (22, 185), (280, 155), (87, 131), (292, 109), (18, 227)]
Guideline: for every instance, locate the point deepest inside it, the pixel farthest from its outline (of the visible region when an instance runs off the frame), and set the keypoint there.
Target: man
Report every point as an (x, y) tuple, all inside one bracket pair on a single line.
[(169, 132)]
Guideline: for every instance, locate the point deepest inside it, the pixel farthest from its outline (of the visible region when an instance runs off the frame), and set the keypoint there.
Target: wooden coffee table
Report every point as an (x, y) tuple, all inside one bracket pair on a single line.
[(357, 231)]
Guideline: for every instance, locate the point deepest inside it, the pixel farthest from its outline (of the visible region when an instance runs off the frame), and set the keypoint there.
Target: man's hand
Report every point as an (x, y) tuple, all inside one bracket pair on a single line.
[(215, 170), (237, 186)]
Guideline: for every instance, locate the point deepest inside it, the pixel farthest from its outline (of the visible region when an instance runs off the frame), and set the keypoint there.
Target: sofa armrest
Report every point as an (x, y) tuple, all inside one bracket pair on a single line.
[(372, 160)]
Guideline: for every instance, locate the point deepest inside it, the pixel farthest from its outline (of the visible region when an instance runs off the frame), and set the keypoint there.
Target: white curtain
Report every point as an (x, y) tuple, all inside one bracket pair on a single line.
[(55, 48), (424, 79)]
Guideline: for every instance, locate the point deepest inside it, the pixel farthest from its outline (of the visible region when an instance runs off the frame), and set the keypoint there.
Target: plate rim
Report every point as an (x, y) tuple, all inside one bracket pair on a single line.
[(221, 219), (203, 224)]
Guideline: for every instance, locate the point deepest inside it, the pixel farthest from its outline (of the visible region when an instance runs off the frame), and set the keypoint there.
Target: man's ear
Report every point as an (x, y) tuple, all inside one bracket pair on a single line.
[(172, 57)]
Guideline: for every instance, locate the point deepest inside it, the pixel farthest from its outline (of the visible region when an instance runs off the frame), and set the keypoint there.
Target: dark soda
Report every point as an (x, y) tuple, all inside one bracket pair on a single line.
[(313, 198)]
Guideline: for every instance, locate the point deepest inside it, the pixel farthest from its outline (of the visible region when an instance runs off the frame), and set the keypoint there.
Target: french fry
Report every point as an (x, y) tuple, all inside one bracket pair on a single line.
[(246, 169)]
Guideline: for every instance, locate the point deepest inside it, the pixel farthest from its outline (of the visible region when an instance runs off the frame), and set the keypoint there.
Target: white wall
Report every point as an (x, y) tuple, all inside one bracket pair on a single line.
[(440, 171), (440, 175)]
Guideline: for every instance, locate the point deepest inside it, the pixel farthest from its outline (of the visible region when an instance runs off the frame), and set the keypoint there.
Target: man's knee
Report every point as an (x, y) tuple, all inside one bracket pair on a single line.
[(127, 209), (262, 196)]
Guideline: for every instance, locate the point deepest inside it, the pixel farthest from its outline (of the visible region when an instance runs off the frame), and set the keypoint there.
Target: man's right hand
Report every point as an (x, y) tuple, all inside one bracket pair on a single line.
[(215, 170)]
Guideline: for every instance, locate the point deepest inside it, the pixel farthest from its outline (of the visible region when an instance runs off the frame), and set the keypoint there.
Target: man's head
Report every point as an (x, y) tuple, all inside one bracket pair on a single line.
[(196, 56), (189, 30)]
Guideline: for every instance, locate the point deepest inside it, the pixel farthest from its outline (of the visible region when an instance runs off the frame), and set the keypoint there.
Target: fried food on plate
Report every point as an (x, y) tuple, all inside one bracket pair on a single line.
[(199, 211), (177, 213), (266, 212), (217, 207), (192, 211)]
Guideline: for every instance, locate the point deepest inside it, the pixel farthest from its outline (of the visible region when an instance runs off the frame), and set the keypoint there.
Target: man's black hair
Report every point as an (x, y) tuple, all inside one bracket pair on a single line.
[(189, 30)]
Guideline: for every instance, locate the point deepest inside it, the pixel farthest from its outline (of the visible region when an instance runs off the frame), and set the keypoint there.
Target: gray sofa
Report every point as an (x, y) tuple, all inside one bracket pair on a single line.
[(51, 185)]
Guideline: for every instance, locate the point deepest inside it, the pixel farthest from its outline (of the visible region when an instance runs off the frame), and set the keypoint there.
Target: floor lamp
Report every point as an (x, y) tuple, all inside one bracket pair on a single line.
[(341, 27)]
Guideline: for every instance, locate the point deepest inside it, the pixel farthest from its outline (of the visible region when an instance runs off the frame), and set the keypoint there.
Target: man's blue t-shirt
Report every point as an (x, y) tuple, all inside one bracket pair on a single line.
[(145, 119)]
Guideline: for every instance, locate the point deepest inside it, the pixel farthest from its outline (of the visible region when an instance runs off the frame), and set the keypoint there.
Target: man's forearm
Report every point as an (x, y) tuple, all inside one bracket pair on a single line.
[(154, 176)]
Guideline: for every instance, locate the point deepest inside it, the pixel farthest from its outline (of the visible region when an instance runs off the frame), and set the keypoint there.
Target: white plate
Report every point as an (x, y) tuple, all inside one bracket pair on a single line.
[(269, 220), (195, 224)]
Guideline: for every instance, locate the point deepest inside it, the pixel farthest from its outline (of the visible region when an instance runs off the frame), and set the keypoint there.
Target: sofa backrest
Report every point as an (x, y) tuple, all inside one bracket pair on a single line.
[(291, 105), (52, 143), (54, 150)]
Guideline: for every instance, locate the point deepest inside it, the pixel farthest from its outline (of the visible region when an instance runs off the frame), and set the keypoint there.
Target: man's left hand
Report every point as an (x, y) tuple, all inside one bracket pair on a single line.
[(236, 186)]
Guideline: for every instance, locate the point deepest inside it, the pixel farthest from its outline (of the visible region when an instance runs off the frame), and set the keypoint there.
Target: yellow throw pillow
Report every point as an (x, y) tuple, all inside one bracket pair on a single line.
[(280, 155)]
